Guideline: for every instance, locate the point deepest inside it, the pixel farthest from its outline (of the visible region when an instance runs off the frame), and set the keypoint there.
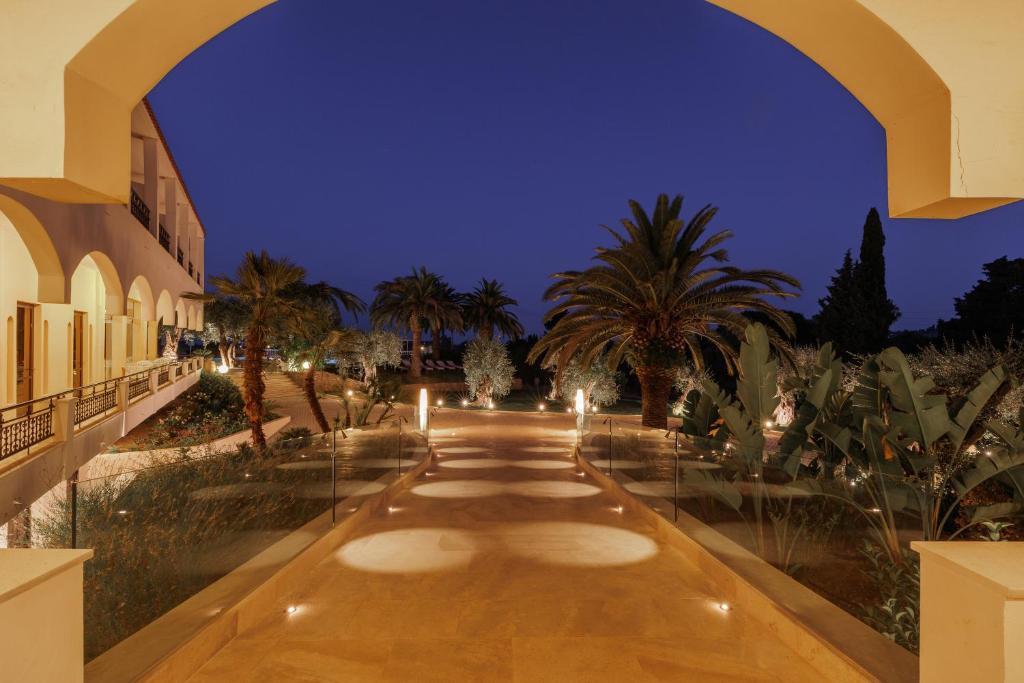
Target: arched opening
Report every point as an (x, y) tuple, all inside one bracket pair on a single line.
[(180, 314), (96, 297), (140, 309), (24, 245), (164, 309), (951, 121)]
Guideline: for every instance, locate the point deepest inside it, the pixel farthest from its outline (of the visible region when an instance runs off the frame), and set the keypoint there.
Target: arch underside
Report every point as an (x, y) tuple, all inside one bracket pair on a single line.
[(937, 75)]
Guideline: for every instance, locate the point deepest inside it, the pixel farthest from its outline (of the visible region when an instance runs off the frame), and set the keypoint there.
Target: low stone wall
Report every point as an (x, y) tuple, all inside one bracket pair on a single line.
[(177, 644), (111, 464), (840, 646)]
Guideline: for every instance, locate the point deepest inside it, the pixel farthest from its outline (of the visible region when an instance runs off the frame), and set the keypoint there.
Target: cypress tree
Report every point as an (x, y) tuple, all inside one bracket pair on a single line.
[(877, 312), (836, 316), (857, 313)]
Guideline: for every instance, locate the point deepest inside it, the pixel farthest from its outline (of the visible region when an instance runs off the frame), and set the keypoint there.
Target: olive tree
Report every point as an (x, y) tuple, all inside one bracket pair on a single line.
[(488, 370)]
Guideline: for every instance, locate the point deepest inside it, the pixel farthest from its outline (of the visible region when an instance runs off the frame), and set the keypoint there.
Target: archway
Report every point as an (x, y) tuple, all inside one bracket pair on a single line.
[(141, 292), (165, 309), (95, 297), (954, 123), (48, 274)]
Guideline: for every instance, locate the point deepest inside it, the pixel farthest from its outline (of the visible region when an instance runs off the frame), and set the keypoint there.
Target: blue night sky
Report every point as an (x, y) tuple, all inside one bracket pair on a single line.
[(493, 138)]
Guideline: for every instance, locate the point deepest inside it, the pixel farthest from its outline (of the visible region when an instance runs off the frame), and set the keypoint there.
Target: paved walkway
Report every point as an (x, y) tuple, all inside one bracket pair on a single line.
[(285, 397), (502, 563)]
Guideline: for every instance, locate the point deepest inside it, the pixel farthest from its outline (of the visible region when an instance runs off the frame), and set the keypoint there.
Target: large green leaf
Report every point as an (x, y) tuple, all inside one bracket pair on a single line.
[(758, 388), (792, 443), (748, 436), (917, 415), (1013, 438), (973, 403), (702, 481)]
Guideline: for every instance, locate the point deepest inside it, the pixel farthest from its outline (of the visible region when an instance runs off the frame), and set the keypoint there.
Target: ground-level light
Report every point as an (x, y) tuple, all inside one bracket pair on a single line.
[(725, 607), (440, 402), (423, 409), (305, 365), (541, 407), (350, 393), (465, 403), (222, 369)]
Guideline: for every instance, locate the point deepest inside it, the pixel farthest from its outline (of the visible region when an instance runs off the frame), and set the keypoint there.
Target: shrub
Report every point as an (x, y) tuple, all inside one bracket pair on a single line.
[(488, 369), (211, 410)]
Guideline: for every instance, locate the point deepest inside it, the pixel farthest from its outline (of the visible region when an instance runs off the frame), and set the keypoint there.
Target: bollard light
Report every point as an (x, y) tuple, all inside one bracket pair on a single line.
[(423, 409)]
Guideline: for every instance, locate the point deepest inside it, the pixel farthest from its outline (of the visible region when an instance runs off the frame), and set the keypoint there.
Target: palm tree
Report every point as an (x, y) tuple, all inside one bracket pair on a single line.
[(444, 313), (654, 297), (486, 310), (261, 284), (409, 303), (316, 321)]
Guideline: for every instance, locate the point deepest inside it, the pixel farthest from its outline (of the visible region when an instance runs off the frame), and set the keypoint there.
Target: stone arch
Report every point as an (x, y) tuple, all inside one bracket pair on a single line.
[(193, 318), (114, 293), (40, 248), (165, 308), (143, 293), (180, 314), (940, 78)]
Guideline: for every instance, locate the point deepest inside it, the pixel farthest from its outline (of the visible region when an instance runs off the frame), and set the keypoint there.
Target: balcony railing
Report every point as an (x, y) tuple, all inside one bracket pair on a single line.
[(190, 273), (165, 239), (139, 209), (94, 400), (27, 424), (181, 257)]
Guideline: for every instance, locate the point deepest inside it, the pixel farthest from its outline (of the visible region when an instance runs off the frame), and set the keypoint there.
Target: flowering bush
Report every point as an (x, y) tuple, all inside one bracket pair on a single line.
[(211, 410)]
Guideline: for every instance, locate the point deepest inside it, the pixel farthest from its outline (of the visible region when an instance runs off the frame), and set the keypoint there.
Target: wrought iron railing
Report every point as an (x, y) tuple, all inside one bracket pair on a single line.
[(181, 257), (24, 425), (190, 271), (138, 385), (165, 239), (30, 423), (139, 209), (95, 400)]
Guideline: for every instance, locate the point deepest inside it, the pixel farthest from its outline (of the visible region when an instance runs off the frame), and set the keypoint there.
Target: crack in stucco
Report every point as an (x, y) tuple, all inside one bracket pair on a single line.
[(960, 158)]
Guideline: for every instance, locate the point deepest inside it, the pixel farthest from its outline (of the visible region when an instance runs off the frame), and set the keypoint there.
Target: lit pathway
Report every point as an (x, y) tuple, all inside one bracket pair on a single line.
[(501, 564)]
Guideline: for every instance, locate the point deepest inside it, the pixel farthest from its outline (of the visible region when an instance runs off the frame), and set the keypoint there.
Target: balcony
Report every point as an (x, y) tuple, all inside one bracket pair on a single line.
[(139, 209), (165, 239)]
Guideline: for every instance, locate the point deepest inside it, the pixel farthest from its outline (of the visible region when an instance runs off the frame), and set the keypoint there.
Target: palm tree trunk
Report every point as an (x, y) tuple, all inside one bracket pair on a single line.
[(254, 386), (414, 362), (655, 387), (486, 332), (309, 385), (435, 345)]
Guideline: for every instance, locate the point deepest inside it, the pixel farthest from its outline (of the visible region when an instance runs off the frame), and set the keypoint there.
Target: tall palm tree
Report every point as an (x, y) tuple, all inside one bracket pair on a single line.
[(444, 313), (316, 321), (654, 297), (409, 303), (261, 284), (486, 310)]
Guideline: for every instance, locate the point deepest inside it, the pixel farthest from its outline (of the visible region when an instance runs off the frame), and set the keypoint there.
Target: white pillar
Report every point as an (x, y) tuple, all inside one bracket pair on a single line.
[(41, 615), (972, 610), (171, 211), (151, 187)]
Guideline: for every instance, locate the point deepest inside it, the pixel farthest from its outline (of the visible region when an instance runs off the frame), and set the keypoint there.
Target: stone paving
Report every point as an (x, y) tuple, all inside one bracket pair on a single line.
[(504, 563)]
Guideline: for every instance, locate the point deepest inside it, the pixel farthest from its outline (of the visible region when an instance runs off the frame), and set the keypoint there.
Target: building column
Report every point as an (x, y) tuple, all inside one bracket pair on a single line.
[(151, 186), (171, 212), (119, 332), (972, 610), (152, 333)]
